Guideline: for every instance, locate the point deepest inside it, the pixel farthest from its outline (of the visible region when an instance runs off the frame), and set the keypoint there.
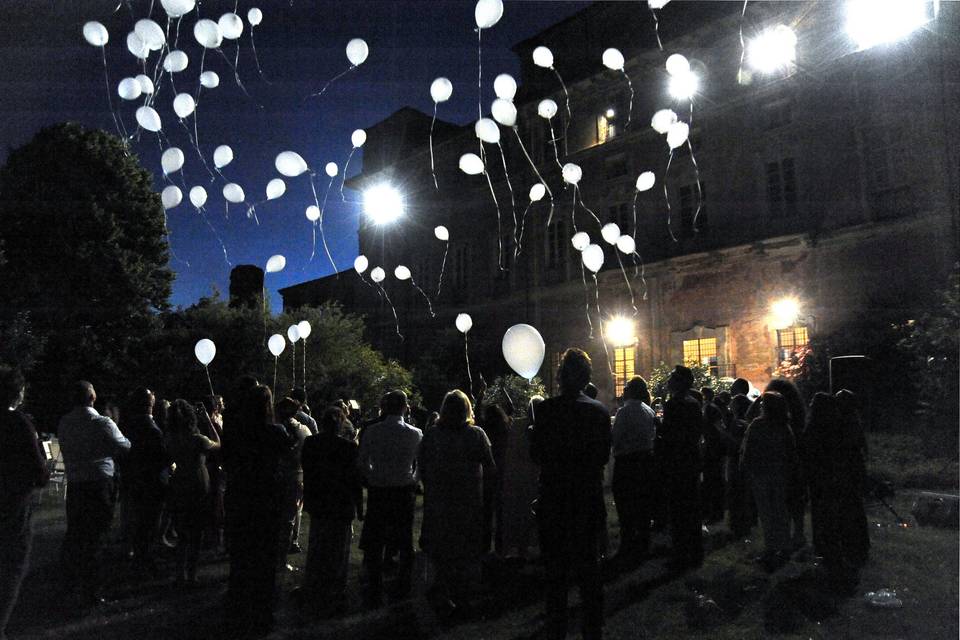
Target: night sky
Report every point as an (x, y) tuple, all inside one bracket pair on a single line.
[(48, 74)]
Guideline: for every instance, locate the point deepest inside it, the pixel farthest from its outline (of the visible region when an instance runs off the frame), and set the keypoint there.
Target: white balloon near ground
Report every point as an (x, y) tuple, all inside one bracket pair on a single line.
[(463, 322), (331, 169), (150, 33), (293, 333), (358, 138), (471, 164), (171, 196), (592, 257), (613, 59), (175, 61), (222, 156), (276, 263), (610, 232), (184, 105), (312, 213), (487, 130), (360, 263), (146, 84), (148, 118), (572, 173), (276, 344), (537, 192), (662, 120), (678, 65), (205, 350), (442, 233), (677, 134), (402, 273), (209, 80), (198, 196), (488, 13), (547, 108), (171, 160), (305, 329), (276, 188), (357, 51), (137, 46), (626, 244), (504, 112), (231, 26), (504, 86), (290, 164), (543, 57), (207, 33), (95, 33), (177, 8), (232, 192), (580, 240), (254, 16), (523, 349), (441, 89), (646, 180), (129, 89), (377, 274)]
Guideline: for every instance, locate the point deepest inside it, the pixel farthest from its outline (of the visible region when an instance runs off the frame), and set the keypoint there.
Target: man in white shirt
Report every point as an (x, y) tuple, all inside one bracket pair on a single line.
[(89, 443), (387, 459)]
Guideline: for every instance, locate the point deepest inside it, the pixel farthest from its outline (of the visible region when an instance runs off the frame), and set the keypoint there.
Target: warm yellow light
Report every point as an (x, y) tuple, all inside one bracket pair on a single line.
[(383, 204), (621, 331), (611, 113), (784, 312)]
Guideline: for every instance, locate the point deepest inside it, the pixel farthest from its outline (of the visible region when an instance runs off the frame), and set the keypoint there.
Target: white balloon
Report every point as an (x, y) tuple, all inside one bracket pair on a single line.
[(662, 120), (487, 130), (442, 233), (198, 196), (171, 196), (207, 33), (547, 108), (146, 84), (358, 137), (402, 273), (504, 112), (441, 89), (276, 263), (613, 59), (129, 89), (488, 13), (210, 79), (626, 244), (151, 34), (222, 156), (331, 169), (678, 65), (523, 349), (360, 263), (293, 333), (471, 164), (657, 4), (137, 46), (176, 8), (95, 33), (254, 16), (357, 51), (305, 329), (171, 160), (148, 118), (175, 61), (505, 86), (580, 240), (231, 26), (537, 192), (543, 57), (677, 134), (571, 173), (592, 257), (290, 164), (205, 351), (464, 322), (645, 181), (232, 192), (276, 188), (276, 344), (313, 213), (377, 274), (183, 105), (610, 232)]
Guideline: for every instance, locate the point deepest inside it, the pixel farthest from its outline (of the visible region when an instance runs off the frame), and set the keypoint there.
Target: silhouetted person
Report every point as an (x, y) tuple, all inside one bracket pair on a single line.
[(303, 416), (570, 441), (740, 387), (818, 447), (144, 468), (714, 449), (496, 424), (851, 461), (519, 487), (796, 484), (89, 442), (218, 479), (742, 512), (291, 479)]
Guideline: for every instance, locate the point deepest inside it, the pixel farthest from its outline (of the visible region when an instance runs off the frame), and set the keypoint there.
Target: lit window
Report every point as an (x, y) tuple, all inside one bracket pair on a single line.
[(702, 351), (624, 367), (789, 340)]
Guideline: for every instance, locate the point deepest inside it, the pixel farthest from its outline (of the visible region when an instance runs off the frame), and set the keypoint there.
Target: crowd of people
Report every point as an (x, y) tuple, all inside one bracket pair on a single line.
[(234, 474)]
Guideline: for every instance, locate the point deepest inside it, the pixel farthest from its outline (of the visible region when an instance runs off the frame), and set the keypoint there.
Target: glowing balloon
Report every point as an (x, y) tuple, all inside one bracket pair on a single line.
[(222, 156), (95, 33), (171, 196), (464, 322), (471, 164), (571, 173), (580, 240), (505, 86), (305, 329), (677, 134), (357, 51), (613, 59), (231, 26), (129, 89), (360, 263), (146, 84), (657, 4), (488, 13), (175, 61), (442, 233), (176, 8), (276, 188), (377, 274), (210, 79), (678, 65), (276, 263), (645, 181), (547, 108), (626, 244), (198, 196), (137, 46), (148, 118), (183, 105), (232, 192), (504, 112), (610, 232), (331, 169), (293, 333), (441, 89), (171, 161), (291, 164), (150, 33), (592, 257), (205, 351), (402, 273), (487, 130), (207, 33), (543, 57), (358, 137), (313, 213), (523, 349), (537, 192), (662, 120), (254, 16), (276, 344)]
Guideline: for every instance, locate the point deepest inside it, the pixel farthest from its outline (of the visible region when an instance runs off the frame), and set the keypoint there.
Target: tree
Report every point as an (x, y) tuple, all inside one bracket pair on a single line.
[(701, 378), (84, 255)]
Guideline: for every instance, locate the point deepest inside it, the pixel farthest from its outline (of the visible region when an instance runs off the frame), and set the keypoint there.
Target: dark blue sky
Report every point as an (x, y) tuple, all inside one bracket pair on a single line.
[(49, 74)]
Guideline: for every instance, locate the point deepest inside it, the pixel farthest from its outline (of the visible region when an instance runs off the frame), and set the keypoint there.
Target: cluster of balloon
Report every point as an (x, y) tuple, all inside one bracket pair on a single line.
[(205, 350), (357, 139), (293, 334), (442, 234), (210, 35), (276, 344), (291, 164), (613, 59), (543, 57), (656, 5), (403, 273), (592, 259), (621, 243), (523, 349), (377, 275), (683, 85), (486, 14), (464, 323), (360, 264), (440, 90), (357, 52), (546, 109), (304, 329)]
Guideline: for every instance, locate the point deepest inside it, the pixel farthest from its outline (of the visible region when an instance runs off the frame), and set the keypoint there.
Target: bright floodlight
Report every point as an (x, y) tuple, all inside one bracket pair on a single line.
[(610, 113), (873, 22), (784, 312), (383, 204), (773, 50), (621, 331), (683, 86)]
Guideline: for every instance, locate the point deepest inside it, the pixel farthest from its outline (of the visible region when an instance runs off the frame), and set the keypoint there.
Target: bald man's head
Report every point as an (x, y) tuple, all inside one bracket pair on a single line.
[(83, 394)]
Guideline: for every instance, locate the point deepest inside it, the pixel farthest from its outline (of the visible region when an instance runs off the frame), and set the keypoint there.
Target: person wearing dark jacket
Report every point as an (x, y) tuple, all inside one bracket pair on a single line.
[(818, 446), (851, 463), (570, 442), (144, 473), (797, 492)]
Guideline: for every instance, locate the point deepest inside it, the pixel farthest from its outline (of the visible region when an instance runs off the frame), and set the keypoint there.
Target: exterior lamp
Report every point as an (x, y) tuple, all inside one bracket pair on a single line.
[(773, 50), (784, 312), (383, 204), (873, 22), (684, 85), (621, 331), (610, 113)]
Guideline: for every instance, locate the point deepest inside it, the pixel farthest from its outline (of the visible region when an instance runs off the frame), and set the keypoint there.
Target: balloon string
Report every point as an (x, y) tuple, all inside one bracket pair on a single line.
[(425, 297), (743, 47), (316, 202), (236, 76), (573, 210), (499, 234), (553, 141), (176, 33), (537, 172), (666, 197), (293, 366), (523, 224), (479, 76), (513, 203), (630, 110), (603, 338), (236, 57), (466, 354), (166, 232), (443, 265), (576, 190), (566, 128), (696, 172), (209, 381), (276, 360), (392, 308), (303, 380), (586, 297), (656, 27), (252, 212), (320, 93), (223, 247), (633, 301), (343, 178), (636, 196), (364, 281), (432, 170), (323, 236), (256, 58), (643, 277), (121, 131)]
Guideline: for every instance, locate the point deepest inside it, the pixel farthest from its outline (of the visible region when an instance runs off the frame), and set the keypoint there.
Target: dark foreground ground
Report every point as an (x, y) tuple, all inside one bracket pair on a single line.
[(730, 597)]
